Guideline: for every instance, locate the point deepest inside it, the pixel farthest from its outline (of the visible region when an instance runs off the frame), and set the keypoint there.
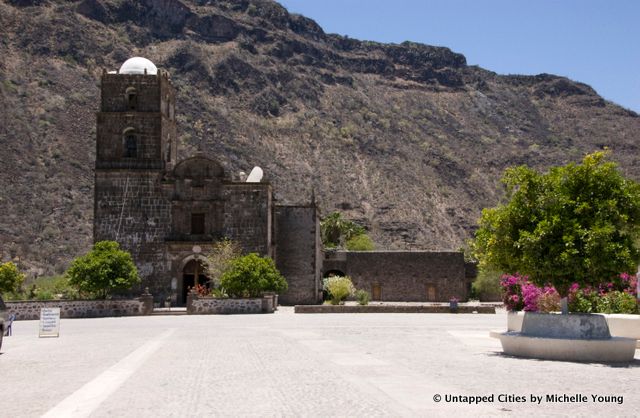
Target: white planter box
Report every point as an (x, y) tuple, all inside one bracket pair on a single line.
[(620, 325), (577, 337)]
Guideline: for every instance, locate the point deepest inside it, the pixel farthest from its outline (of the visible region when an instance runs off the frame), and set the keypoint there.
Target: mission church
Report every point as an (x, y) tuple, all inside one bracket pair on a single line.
[(168, 213)]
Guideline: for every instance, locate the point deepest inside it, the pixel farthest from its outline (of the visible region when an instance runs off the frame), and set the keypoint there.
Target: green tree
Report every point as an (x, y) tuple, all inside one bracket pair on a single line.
[(336, 230), (576, 223), (251, 275), (10, 278), (106, 268)]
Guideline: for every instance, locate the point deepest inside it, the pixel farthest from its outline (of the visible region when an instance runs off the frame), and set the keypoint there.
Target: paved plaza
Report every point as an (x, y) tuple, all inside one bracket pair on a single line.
[(288, 364)]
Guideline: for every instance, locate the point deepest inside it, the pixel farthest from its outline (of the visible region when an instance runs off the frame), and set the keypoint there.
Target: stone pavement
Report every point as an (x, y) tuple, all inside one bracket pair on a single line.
[(296, 365)]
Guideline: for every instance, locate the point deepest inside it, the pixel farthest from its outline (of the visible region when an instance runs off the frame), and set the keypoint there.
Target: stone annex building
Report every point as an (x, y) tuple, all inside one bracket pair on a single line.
[(168, 213)]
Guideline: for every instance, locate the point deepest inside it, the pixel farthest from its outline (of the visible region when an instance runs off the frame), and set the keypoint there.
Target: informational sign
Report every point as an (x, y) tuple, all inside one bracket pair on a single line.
[(50, 322)]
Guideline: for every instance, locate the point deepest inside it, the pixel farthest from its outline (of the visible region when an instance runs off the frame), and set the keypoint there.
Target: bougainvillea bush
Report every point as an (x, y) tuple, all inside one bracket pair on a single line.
[(616, 296)]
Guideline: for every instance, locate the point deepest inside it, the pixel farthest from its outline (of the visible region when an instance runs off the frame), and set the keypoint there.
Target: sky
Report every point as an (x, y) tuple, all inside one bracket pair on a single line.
[(596, 42)]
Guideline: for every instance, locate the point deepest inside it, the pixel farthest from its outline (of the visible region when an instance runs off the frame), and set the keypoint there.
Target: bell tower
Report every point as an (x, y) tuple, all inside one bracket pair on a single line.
[(136, 126), (135, 153)]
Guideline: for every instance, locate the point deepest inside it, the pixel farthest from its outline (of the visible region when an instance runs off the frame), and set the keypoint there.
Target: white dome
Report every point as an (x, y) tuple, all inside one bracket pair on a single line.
[(137, 65)]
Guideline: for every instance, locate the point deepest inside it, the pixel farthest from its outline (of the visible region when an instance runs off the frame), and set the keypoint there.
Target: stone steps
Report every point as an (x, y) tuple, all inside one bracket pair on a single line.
[(169, 311)]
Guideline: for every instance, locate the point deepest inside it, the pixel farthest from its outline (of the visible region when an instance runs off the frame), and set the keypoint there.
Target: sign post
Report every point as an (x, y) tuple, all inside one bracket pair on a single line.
[(49, 322)]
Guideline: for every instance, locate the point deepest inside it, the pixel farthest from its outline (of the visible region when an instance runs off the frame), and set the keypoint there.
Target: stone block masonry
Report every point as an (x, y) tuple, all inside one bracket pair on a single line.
[(208, 305), (30, 310), (403, 276), (320, 309), (298, 255)]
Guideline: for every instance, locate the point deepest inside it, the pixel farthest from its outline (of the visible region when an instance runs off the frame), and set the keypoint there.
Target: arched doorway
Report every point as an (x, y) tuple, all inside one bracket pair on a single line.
[(331, 273), (193, 274)]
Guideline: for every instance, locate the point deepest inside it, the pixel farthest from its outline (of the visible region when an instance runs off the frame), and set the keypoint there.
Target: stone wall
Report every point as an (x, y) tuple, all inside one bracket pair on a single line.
[(209, 305), (298, 255), (28, 310), (403, 276), (248, 216), (139, 221), (320, 309), (150, 118), (114, 90), (147, 130)]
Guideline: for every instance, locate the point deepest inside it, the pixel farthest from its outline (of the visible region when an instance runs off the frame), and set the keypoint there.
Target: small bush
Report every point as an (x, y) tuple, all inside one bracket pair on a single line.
[(512, 292), (44, 295), (363, 297), (548, 301), (339, 288), (360, 242), (617, 302), (201, 290), (219, 292), (56, 286)]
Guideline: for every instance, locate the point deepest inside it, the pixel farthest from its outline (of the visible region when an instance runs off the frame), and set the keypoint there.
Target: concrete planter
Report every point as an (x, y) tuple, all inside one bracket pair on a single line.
[(514, 321), (573, 337), (620, 325)]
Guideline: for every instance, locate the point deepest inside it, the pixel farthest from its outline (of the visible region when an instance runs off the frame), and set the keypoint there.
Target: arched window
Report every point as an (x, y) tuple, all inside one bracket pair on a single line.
[(131, 96), (130, 144)]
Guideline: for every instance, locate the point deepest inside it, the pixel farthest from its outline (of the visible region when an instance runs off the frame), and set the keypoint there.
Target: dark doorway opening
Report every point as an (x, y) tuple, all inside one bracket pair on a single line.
[(376, 292), (193, 274)]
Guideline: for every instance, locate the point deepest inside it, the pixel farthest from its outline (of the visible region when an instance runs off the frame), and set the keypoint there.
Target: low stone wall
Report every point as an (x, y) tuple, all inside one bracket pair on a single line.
[(197, 305), (403, 276), (29, 310), (319, 309)]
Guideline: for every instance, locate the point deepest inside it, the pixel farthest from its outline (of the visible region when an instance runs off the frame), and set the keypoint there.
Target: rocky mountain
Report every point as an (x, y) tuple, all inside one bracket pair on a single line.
[(407, 140)]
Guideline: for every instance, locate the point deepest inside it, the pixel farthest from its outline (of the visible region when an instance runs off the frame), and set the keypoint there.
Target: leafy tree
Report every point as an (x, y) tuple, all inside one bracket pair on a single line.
[(106, 268), (336, 230), (219, 259), (251, 275), (360, 242), (10, 278), (576, 223)]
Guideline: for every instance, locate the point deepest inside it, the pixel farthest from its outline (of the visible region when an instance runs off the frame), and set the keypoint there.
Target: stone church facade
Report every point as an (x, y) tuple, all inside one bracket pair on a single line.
[(168, 213)]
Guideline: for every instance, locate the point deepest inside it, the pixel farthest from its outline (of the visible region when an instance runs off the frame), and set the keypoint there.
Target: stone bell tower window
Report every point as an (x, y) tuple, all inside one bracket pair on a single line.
[(130, 145), (131, 97)]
